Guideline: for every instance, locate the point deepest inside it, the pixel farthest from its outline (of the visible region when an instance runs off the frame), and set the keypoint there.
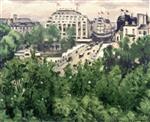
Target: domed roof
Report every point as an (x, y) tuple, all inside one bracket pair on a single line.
[(66, 11), (122, 17)]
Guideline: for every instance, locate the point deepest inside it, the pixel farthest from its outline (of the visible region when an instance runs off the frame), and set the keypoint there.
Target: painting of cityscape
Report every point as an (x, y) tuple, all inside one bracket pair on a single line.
[(74, 61)]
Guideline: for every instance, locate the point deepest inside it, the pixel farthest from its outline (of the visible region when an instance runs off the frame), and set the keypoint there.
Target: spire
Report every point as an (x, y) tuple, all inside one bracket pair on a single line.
[(57, 5), (77, 6)]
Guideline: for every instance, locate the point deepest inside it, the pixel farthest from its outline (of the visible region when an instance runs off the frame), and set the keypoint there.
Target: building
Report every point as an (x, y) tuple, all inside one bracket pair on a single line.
[(22, 25), (4, 20), (130, 31), (84, 41), (132, 27), (102, 30), (142, 19), (26, 53), (65, 18)]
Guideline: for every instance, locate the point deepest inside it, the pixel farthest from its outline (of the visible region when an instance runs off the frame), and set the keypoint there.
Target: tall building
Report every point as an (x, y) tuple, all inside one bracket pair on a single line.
[(65, 18)]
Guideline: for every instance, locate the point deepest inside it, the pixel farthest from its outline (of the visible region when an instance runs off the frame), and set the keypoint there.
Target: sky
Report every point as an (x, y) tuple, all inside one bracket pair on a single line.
[(40, 10)]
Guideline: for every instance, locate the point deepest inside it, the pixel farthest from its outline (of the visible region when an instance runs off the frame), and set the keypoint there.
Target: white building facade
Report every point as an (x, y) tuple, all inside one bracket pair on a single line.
[(136, 30), (65, 18)]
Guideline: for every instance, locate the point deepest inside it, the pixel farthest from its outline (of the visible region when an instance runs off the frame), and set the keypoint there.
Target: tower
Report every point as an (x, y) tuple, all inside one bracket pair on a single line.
[(77, 6), (14, 17)]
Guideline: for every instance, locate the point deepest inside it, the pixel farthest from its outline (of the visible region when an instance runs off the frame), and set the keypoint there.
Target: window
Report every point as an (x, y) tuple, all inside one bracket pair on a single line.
[(84, 33), (133, 31), (67, 17), (64, 29), (59, 27), (69, 25), (144, 33), (71, 17), (79, 23), (117, 38), (139, 32), (126, 31)]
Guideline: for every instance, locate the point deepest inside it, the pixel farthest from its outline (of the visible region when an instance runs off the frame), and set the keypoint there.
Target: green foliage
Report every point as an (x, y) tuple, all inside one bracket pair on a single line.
[(53, 33), (39, 35), (36, 36), (4, 30), (69, 41), (9, 43), (71, 36), (105, 91)]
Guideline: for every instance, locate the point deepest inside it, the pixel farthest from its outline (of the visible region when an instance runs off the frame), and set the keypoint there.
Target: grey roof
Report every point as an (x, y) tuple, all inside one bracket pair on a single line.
[(25, 24), (102, 20), (143, 26), (3, 20), (66, 11), (23, 20)]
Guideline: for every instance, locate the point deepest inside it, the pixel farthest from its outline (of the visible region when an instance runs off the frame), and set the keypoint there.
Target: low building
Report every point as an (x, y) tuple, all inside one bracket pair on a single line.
[(4, 20), (26, 53), (53, 59), (22, 25)]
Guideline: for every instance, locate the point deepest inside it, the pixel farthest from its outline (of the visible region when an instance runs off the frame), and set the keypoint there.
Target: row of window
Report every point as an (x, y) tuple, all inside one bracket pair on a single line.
[(133, 32), (69, 17), (23, 28), (79, 32), (71, 25), (66, 22)]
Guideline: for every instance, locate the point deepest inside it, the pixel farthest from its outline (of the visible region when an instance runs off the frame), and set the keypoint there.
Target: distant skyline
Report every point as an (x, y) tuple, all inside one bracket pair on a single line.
[(40, 10)]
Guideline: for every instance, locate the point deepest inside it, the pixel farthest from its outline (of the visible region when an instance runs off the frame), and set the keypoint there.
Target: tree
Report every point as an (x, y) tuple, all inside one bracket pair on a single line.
[(71, 36), (123, 53), (29, 88), (142, 47), (109, 58), (52, 33), (32, 91), (4, 30), (36, 36), (9, 44)]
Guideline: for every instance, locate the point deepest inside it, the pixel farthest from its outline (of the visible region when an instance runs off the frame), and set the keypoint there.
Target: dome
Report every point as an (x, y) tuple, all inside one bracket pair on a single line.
[(102, 30), (101, 25), (67, 11)]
